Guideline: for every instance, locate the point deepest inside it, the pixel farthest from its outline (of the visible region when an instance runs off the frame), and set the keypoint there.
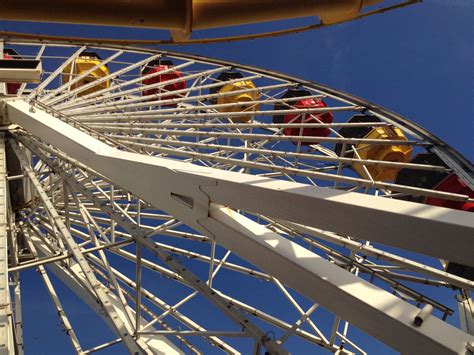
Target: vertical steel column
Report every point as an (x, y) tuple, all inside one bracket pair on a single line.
[(3, 86), (6, 333), (15, 282), (466, 311)]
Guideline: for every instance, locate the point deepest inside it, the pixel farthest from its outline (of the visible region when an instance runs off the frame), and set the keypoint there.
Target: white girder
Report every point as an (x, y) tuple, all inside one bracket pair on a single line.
[(73, 278), (77, 78), (55, 299), (55, 74), (6, 331), (190, 278), (103, 79), (434, 231), (466, 311), (186, 191), (104, 302), (15, 283), (365, 249), (361, 303), (138, 234)]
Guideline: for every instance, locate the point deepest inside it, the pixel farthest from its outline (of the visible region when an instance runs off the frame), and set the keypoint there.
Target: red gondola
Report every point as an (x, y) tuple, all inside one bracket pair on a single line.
[(435, 180), (304, 102), (455, 185), (438, 181), (170, 74)]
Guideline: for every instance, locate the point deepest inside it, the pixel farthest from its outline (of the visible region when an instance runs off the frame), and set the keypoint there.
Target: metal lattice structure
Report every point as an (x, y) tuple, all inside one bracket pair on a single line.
[(231, 202)]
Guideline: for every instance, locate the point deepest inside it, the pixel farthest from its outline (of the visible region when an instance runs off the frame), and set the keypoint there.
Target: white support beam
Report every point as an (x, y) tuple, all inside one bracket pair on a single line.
[(15, 284), (466, 311), (108, 303), (189, 277), (54, 297), (185, 191), (74, 279), (366, 306), (363, 304), (6, 331)]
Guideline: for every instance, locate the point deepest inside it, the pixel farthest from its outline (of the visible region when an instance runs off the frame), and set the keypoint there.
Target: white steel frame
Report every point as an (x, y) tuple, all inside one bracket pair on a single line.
[(97, 158)]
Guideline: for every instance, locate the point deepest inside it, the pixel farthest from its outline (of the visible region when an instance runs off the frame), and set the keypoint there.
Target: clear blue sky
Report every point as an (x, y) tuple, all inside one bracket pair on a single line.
[(417, 61)]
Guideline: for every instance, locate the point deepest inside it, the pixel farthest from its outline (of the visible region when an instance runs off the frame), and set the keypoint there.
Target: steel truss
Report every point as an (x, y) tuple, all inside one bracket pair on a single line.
[(7, 327), (121, 186)]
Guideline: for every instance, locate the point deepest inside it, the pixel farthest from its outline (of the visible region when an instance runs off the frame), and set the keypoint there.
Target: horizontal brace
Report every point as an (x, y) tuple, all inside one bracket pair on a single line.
[(53, 259), (198, 333)]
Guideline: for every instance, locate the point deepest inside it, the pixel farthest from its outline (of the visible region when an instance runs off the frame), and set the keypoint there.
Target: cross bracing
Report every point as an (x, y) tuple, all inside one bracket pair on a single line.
[(186, 188)]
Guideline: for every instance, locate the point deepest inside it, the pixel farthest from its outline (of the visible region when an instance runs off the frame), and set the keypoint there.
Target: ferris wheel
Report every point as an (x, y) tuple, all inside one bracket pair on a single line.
[(198, 205)]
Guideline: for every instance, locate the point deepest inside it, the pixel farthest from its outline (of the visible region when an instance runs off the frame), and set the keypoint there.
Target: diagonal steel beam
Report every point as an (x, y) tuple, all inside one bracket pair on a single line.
[(363, 304), (75, 280), (39, 89), (54, 297), (186, 190), (190, 278), (6, 326), (102, 295)]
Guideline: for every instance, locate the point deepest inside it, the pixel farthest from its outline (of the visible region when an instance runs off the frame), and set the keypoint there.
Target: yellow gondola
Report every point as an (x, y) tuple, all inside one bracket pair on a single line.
[(371, 151), (82, 64), (245, 93)]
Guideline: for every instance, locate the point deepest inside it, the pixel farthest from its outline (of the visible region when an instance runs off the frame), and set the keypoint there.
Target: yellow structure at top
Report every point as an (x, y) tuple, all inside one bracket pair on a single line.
[(81, 65), (391, 153), (180, 17)]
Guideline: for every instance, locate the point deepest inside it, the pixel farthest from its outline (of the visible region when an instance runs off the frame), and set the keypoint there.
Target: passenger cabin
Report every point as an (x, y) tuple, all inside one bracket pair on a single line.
[(374, 151), (423, 179), (453, 184), (84, 63), (438, 181), (303, 100), (235, 96), (435, 180), (156, 74)]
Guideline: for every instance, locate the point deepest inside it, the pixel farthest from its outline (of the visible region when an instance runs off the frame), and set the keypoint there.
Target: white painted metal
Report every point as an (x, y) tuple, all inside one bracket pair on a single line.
[(55, 74), (466, 311), (181, 152), (382, 255), (6, 324), (406, 225), (355, 300), (106, 303), (104, 79), (21, 75), (16, 284), (361, 303), (59, 308), (74, 279), (38, 57), (70, 83), (190, 278)]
